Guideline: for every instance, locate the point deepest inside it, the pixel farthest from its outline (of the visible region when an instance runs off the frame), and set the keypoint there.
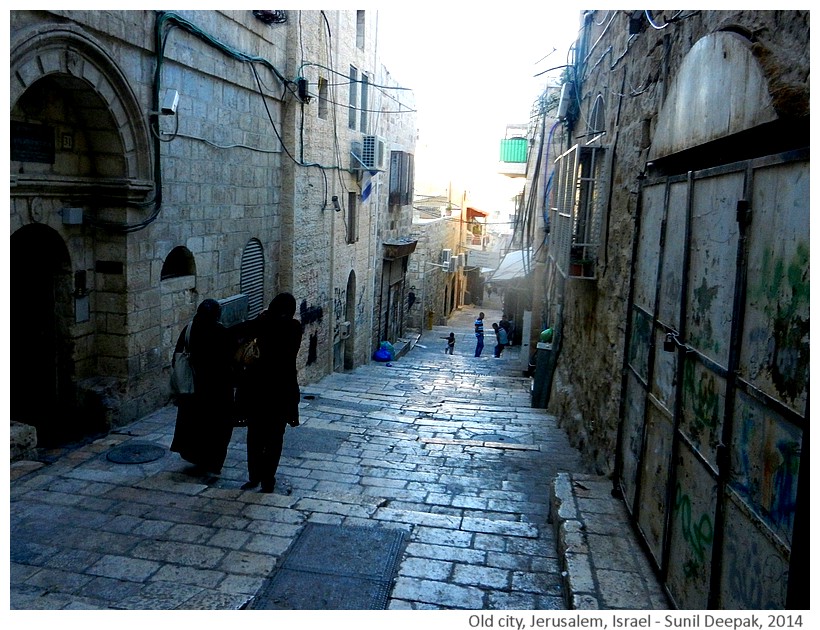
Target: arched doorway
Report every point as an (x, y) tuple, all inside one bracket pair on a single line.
[(79, 141), (41, 374)]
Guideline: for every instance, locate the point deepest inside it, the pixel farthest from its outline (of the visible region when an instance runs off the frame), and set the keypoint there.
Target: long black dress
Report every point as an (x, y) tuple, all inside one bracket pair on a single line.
[(270, 394), (204, 419)]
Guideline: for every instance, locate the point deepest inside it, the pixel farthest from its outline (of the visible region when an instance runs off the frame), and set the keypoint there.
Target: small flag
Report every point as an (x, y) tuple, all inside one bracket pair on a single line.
[(367, 184)]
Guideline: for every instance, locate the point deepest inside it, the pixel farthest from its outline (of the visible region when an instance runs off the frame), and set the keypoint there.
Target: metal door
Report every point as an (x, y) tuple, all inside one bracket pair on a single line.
[(716, 382)]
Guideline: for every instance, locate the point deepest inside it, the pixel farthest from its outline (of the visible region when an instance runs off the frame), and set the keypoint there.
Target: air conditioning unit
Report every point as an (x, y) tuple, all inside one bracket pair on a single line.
[(461, 261), (452, 266), (373, 153), (445, 256)]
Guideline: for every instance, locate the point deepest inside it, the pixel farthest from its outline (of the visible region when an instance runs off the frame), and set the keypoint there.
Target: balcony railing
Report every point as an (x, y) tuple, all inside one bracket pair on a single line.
[(513, 157)]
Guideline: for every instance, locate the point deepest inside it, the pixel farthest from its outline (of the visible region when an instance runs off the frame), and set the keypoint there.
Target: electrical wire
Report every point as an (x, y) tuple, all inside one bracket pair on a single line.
[(661, 26)]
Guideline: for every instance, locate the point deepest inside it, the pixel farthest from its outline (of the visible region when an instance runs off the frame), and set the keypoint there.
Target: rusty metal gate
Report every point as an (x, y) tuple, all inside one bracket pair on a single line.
[(715, 393)]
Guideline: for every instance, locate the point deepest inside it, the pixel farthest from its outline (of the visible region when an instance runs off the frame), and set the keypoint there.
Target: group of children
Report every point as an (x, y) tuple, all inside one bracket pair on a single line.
[(503, 336)]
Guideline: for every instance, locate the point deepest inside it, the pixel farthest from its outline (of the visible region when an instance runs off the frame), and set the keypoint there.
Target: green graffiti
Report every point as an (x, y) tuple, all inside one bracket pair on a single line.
[(697, 535), (705, 399), (704, 296), (784, 292)]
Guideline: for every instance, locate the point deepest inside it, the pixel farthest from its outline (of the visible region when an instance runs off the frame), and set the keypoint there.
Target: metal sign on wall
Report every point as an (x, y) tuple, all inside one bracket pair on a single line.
[(716, 386)]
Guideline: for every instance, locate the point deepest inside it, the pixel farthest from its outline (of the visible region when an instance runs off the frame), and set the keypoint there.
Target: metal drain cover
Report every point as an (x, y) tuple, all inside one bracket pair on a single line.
[(135, 453), (334, 567)]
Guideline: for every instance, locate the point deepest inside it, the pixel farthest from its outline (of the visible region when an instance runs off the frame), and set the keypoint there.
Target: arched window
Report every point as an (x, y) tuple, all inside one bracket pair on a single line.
[(252, 276), (597, 120), (180, 262)]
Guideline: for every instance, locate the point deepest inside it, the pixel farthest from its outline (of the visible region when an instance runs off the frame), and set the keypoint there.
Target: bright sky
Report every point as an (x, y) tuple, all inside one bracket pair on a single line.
[(472, 71)]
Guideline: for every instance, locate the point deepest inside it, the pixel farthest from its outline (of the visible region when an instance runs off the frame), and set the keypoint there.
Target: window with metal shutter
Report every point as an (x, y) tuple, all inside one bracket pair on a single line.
[(252, 276)]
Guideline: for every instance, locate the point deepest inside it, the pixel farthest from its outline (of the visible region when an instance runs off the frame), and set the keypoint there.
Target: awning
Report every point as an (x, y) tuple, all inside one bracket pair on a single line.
[(398, 249), (472, 213), (516, 264)]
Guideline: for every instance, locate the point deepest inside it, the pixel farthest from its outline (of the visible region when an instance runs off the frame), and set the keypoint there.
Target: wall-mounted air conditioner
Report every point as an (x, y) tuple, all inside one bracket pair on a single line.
[(452, 266), (373, 153)]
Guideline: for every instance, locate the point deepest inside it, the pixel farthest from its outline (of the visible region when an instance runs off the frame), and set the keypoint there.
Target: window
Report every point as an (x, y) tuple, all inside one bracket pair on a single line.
[(252, 276), (352, 218), (363, 102), (353, 92), (577, 211), (360, 29), (323, 98), (597, 121), (179, 262), (401, 178)]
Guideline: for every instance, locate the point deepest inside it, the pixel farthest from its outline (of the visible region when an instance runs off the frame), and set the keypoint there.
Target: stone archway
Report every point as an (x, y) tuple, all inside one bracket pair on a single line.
[(71, 57), (95, 160)]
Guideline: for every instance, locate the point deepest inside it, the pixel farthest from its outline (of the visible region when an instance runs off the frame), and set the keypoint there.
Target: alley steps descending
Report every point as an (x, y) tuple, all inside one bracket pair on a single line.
[(443, 455)]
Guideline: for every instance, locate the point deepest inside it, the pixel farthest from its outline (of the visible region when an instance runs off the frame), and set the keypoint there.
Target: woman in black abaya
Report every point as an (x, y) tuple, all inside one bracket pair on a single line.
[(204, 419), (270, 389)]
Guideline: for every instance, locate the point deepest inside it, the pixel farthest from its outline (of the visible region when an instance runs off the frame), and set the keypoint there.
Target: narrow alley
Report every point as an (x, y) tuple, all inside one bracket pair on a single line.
[(424, 483)]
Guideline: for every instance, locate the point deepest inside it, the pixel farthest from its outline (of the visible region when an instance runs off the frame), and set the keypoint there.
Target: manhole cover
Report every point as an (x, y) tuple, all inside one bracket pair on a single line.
[(135, 453), (334, 567)]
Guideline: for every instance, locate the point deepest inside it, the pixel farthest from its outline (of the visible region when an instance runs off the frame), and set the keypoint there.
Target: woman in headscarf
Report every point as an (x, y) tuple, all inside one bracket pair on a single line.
[(204, 419), (270, 389)]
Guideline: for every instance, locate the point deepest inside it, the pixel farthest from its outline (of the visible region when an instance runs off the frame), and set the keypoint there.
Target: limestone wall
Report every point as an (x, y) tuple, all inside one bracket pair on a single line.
[(633, 75), (232, 168)]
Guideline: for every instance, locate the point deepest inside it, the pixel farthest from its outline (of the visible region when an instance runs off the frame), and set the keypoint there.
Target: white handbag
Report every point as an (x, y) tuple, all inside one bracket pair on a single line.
[(182, 374)]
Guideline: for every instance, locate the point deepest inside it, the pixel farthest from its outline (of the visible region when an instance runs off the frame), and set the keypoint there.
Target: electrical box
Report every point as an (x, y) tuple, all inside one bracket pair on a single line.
[(344, 330), (564, 101), (445, 256)]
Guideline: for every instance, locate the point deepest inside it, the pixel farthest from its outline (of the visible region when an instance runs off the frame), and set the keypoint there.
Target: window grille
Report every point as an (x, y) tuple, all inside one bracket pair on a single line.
[(577, 211), (252, 276)]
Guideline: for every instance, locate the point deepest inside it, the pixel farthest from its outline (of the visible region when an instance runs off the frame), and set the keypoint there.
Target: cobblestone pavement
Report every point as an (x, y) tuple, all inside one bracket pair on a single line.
[(445, 448)]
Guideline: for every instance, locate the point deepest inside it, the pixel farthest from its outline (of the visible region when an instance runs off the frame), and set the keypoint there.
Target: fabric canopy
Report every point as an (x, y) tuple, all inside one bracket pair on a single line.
[(516, 264)]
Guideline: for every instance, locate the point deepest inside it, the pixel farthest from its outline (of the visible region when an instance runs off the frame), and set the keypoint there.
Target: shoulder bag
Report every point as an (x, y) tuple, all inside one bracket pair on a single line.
[(182, 374)]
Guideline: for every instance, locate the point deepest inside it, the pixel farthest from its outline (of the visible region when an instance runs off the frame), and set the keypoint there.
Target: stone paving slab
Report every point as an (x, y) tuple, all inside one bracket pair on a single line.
[(603, 564), (381, 446)]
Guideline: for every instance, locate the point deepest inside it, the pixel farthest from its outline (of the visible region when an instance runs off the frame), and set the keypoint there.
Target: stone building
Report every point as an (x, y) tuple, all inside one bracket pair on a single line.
[(161, 158), (437, 286), (676, 281)]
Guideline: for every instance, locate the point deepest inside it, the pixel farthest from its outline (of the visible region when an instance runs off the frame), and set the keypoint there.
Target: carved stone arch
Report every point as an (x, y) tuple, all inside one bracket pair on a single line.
[(733, 96), (58, 49)]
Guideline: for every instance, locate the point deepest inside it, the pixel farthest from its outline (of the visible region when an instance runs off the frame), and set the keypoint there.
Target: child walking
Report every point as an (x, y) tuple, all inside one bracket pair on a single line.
[(451, 343)]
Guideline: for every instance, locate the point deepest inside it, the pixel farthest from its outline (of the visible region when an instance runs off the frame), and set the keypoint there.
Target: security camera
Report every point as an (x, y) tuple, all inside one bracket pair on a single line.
[(169, 103)]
